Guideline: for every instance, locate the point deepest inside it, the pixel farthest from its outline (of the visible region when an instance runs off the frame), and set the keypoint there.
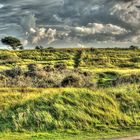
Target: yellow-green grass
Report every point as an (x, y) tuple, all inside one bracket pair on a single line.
[(70, 109), (3, 67), (123, 61), (63, 113), (97, 58), (118, 70)]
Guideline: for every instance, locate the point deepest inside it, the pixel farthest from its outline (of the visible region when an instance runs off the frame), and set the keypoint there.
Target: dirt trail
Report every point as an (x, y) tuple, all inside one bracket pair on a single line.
[(128, 138)]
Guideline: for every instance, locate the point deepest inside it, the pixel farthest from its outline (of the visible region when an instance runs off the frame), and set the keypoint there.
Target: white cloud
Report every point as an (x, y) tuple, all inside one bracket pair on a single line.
[(98, 28), (127, 12), (41, 34), (51, 33), (82, 20), (1, 6), (135, 39)]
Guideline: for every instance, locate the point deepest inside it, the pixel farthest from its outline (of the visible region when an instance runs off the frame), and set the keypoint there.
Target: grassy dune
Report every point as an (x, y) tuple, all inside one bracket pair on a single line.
[(74, 110)]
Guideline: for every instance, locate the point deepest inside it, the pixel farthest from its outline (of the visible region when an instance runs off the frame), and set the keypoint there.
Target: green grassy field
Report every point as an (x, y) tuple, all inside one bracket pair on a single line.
[(93, 58), (109, 112), (69, 93)]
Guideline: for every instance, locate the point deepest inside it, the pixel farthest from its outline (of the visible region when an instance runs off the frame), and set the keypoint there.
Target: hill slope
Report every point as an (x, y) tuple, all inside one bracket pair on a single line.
[(70, 109)]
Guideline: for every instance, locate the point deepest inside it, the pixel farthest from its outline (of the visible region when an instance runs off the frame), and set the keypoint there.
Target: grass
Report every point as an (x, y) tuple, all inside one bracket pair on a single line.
[(70, 110), (99, 58), (73, 113), (69, 113), (66, 135)]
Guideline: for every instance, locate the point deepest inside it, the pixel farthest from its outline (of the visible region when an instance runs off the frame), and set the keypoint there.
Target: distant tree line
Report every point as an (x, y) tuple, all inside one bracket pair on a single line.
[(16, 44)]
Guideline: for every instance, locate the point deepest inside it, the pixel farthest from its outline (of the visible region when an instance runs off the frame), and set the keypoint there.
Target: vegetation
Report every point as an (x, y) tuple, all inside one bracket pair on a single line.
[(66, 93), (77, 110), (69, 67), (13, 42)]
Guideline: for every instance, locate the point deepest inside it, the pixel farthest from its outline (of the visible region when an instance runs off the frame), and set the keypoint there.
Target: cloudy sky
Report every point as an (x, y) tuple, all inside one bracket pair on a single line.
[(98, 23)]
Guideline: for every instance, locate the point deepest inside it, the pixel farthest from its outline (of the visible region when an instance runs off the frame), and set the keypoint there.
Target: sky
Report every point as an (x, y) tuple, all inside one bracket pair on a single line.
[(71, 23)]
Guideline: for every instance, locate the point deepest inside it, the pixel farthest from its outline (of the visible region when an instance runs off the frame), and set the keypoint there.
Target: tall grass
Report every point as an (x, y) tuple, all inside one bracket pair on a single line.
[(70, 109)]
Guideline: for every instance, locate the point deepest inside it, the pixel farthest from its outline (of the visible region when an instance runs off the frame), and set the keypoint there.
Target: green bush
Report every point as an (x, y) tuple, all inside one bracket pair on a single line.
[(107, 79)]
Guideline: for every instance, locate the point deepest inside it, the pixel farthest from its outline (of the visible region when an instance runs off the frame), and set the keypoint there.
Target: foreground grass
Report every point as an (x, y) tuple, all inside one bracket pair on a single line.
[(75, 112)]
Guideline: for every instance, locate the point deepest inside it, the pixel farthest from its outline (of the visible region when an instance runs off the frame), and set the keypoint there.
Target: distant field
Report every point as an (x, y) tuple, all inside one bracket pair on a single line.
[(94, 58), (114, 66), (69, 93)]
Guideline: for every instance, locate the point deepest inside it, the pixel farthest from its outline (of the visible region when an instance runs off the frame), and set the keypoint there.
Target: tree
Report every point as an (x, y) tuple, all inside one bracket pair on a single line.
[(21, 48), (133, 47), (39, 47), (12, 41)]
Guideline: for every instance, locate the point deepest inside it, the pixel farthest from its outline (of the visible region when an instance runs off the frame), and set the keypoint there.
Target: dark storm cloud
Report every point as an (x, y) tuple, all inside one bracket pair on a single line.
[(51, 20)]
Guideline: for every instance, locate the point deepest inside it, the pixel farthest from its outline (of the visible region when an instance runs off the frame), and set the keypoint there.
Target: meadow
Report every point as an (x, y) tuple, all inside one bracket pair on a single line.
[(69, 93)]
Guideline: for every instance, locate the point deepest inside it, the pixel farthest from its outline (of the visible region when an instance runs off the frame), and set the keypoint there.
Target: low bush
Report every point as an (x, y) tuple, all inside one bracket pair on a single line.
[(107, 79), (60, 66), (128, 65), (71, 81), (13, 72), (47, 77), (32, 67), (135, 59), (128, 79), (49, 68)]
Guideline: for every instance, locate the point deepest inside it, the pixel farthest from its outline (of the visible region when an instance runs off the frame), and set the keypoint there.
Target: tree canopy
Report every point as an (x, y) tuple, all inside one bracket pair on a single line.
[(13, 42)]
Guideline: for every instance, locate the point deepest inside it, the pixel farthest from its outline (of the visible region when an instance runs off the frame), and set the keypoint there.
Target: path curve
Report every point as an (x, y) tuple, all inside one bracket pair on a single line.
[(128, 138)]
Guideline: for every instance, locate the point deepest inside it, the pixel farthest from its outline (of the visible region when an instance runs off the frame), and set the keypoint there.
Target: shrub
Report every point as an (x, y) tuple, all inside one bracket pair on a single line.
[(39, 48), (135, 59), (107, 79), (51, 49), (86, 73), (13, 72), (48, 68), (129, 79), (32, 67), (19, 81), (78, 59), (44, 83), (60, 66), (37, 74), (134, 47), (3, 80), (72, 81), (127, 65), (32, 70)]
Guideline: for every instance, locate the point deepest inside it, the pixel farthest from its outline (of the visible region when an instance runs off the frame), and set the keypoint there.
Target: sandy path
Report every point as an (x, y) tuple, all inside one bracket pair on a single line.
[(128, 138)]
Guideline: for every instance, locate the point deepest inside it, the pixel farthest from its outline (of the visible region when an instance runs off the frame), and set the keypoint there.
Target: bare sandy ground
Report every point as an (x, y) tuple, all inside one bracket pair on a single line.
[(128, 138)]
